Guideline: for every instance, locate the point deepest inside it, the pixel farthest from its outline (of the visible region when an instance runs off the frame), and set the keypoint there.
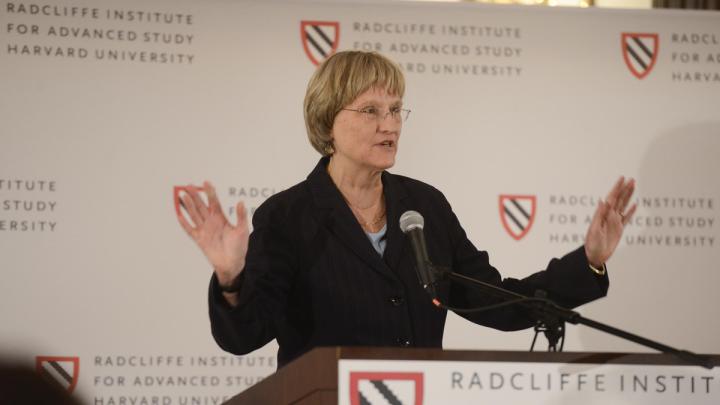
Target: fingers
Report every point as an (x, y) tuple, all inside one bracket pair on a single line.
[(596, 230), (213, 202), (189, 205), (625, 194), (609, 220), (241, 215), (614, 194), (600, 216), (619, 198), (628, 215), (201, 208), (185, 224), (204, 215)]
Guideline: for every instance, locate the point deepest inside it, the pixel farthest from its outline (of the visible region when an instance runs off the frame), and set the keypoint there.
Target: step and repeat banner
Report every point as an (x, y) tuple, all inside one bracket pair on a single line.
[(107, 106)]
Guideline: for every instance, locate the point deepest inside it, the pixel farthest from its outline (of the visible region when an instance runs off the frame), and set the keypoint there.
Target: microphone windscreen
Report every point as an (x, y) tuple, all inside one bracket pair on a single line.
[(410, 220)]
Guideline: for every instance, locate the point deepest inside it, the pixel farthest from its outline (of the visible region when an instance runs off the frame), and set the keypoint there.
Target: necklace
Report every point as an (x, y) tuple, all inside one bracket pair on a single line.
[(370, 226)]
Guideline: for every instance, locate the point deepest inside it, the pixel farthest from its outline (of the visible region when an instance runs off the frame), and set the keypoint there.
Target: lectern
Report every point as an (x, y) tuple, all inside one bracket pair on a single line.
[(415, 376)]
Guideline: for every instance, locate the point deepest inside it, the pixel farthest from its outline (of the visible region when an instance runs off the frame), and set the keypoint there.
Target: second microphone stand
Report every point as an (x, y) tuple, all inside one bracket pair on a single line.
[(552, 317)]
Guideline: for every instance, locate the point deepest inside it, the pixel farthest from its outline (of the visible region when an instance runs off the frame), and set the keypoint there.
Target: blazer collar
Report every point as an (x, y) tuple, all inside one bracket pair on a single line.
[(337, 216)]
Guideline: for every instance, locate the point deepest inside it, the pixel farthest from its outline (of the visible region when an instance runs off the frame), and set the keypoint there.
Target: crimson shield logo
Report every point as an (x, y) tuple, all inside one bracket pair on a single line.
[(63, 370), (640, 51), (367, 388), (517, 213), (320, 39)]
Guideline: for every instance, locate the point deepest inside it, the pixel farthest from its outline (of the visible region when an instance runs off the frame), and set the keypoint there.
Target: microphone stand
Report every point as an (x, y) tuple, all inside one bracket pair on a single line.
[(554, 316), (553, 328)]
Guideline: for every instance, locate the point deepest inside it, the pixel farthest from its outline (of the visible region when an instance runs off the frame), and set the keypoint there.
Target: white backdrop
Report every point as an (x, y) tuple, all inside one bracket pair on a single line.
[(101, 118)]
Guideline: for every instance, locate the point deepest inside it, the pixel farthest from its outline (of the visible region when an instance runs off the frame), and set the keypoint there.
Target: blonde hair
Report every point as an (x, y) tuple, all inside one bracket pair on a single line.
[(337, 82)]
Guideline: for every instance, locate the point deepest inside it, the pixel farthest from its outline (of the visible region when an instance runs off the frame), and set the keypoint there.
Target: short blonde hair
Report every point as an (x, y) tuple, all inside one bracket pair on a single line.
[(337, 82)]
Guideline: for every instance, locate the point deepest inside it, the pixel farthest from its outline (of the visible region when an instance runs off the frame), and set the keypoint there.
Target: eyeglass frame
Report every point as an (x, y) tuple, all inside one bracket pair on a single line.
[(377, 114)]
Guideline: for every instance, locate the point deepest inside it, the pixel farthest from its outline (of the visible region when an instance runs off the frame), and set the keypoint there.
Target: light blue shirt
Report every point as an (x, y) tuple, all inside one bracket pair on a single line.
[(378, 239)]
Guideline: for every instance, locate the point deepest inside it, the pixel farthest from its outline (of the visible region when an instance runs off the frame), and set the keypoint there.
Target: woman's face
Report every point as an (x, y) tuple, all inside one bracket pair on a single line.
[(368, 139)]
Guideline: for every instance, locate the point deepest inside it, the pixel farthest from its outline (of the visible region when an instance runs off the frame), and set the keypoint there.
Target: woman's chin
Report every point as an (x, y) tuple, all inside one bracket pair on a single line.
[(384, 163)]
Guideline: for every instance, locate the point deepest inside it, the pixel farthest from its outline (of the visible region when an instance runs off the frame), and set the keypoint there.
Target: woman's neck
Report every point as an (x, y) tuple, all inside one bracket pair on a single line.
[(362, 188)]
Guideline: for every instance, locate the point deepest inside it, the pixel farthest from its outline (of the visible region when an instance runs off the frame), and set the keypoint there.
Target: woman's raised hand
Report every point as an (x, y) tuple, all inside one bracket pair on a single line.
[(225, 245), (609, 221)]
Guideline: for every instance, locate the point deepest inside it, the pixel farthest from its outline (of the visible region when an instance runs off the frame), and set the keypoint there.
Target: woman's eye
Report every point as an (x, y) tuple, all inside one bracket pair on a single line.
[(369, 110), (395, 110)]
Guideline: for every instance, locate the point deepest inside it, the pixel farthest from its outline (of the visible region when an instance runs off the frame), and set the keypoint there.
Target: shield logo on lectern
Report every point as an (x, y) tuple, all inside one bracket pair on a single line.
[(374, 388), (63, 370), (640, 51), (517, 214), (320, 39)]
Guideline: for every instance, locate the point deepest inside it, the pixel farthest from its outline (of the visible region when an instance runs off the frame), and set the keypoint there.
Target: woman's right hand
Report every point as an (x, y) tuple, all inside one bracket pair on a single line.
[(224, 245)]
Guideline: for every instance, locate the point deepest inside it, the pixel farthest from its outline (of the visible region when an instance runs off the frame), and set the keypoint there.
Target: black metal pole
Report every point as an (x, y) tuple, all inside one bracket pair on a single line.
[(547, 307)]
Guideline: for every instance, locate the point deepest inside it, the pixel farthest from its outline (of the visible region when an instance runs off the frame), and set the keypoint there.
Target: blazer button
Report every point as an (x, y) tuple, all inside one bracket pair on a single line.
[(397, 301), (403, 342)]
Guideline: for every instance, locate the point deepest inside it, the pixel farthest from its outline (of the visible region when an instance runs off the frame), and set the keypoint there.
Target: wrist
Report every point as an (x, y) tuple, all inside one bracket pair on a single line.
[(226, 275), (591, 261), (230, 284)]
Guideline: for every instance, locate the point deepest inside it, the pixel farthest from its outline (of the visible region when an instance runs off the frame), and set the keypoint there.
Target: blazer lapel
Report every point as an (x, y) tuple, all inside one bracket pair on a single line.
[(395, 205), (334, 213)]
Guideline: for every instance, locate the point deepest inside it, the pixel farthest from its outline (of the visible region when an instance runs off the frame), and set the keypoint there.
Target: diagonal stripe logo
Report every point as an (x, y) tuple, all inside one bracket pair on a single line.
[(320, 39), (517, 214), (386, 388), (640, 51), (63, 370)]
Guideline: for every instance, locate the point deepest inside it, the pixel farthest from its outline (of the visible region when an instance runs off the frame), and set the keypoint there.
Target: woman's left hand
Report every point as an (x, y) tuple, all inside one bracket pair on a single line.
[(608, 223)]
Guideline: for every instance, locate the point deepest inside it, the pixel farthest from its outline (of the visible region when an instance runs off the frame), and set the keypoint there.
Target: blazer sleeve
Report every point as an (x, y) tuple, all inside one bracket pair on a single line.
[(265, 285), (568, 281)]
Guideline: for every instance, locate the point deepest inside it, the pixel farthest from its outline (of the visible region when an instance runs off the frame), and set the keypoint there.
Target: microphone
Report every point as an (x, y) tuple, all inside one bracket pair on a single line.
[(412, 223)]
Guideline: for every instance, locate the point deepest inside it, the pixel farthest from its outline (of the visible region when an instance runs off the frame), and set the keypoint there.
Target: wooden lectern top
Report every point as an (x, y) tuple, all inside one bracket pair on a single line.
[(313, 377)]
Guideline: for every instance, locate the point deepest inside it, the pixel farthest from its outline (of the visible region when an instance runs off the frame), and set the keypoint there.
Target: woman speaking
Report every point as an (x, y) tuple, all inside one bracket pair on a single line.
[(327, 263)]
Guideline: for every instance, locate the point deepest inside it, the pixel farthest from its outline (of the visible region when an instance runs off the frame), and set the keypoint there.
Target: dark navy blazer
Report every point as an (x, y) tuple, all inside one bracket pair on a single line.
[(312, 277)]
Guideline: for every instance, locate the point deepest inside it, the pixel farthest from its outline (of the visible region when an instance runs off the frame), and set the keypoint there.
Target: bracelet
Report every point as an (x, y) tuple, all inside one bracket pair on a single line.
[(599, 272)]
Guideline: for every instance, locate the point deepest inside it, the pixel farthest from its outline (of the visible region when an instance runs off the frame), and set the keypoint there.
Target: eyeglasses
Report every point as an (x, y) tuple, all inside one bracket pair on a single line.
[(372, 114)]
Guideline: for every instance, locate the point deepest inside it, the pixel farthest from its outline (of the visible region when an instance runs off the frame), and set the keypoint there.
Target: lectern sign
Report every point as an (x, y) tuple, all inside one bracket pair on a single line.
[(386, 388), (517, 383)]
